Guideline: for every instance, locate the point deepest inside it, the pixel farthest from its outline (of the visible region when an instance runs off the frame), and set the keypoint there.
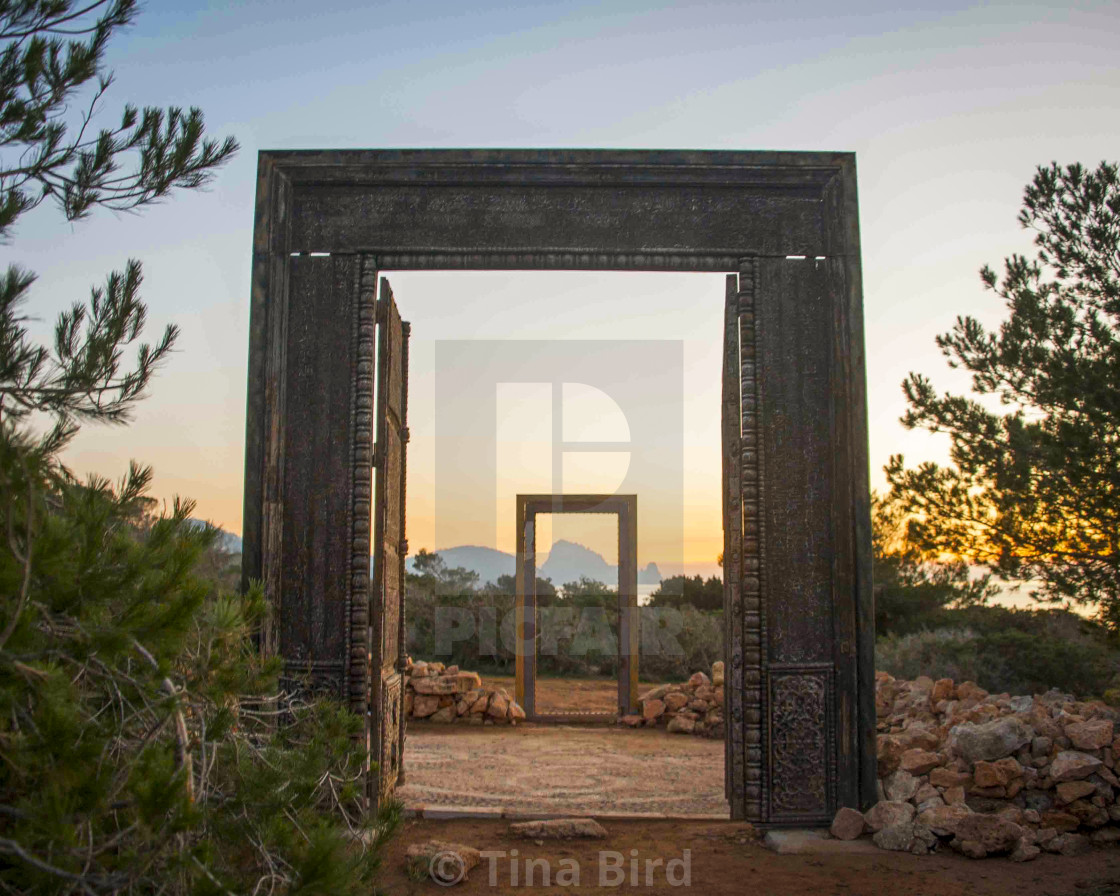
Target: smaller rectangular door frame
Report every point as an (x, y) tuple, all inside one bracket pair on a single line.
[(625, 507)]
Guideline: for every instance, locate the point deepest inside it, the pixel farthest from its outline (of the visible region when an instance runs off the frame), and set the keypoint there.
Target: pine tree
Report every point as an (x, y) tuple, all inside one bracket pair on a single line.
[(1033, 487), (139, 744)]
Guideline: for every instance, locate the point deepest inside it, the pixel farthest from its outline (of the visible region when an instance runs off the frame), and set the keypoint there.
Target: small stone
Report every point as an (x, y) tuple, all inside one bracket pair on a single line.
[(1070, 844), (848, 824), (446, 863), (516, 713), (1040, 746), (947, 777), (717, 673), (631, 721), (499, 706), (996, 774), (896, 837), (1070, 765), (673, 702), (994, 832), (887, 813), (943, 689), (697, 679), (990, 740), (943, 820), (440, 684), (1092, 735), (918, 761), (926, 792), (1060, 821), (1105, 836), (1068, 791), (974, 849), (444, 714), (900, 786), (651, 709), (681, 725), (955, 796), (423, 705), (559, 829), (1025, 852)]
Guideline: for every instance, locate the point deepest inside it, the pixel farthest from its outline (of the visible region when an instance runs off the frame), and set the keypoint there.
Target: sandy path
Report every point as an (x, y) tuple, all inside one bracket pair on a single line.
[(559, 768)]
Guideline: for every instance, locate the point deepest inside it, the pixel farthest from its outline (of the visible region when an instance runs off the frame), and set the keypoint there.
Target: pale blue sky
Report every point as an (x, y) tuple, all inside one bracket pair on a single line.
[(948, 106)]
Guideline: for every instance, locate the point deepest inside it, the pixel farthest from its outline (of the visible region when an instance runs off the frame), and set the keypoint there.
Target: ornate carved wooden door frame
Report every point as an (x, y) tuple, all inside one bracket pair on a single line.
[(800, 697)]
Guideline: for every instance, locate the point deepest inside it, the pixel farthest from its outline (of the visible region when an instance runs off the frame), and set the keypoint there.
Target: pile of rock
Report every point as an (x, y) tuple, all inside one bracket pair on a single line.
[(441, 693), (694, 707), (990, 774)]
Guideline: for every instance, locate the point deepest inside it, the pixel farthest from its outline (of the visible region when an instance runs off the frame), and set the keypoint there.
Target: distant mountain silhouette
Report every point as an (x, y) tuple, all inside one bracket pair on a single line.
[(566, 562), (227, 540)]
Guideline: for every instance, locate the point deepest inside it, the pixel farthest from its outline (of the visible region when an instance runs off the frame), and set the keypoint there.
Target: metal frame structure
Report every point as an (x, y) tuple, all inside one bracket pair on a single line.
[(625, 507), (799, 619)]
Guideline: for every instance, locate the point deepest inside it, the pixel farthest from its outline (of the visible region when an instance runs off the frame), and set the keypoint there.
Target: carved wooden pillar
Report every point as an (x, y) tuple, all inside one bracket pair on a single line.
[(795, 727)]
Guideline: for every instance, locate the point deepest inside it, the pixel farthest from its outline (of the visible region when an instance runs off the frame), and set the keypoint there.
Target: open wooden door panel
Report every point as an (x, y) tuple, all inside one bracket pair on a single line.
[(387, 649)]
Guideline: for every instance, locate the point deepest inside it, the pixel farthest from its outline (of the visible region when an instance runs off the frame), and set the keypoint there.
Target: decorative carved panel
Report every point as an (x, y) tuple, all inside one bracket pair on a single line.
[(801, 750)]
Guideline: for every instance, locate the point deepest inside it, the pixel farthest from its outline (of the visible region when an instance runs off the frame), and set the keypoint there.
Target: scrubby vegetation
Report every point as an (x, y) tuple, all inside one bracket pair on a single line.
[(578, 626), (145, 745), (138, 724)]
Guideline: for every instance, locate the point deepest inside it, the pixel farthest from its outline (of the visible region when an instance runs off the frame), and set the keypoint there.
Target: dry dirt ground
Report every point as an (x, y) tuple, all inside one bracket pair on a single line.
[(605, 771), (568, 694), (725, 859), (600, 770)]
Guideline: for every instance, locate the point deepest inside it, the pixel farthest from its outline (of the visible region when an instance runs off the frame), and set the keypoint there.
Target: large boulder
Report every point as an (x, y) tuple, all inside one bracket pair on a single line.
[(989, 740)]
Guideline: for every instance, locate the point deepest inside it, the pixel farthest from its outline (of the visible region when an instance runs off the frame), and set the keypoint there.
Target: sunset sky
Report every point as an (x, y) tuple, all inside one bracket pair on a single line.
[(949, 107)]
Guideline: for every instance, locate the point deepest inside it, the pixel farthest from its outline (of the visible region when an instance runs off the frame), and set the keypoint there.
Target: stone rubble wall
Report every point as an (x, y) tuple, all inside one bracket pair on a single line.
[(990, 774), (438, 693), (693, 707)]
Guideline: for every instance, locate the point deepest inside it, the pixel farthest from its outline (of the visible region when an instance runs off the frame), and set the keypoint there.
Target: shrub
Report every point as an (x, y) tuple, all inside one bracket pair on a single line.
[(137, 721), (1013, 651)]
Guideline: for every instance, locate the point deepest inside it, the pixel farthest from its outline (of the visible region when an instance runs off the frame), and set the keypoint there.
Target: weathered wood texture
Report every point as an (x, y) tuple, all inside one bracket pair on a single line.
[(537, 209), (390, 547), (310, 573)]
